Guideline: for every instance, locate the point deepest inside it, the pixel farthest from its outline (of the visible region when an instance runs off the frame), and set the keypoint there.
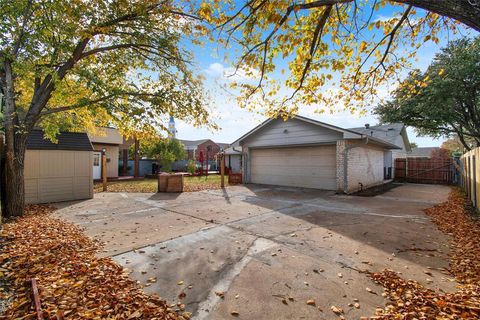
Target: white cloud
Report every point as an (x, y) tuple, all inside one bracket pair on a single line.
[(219, 71)]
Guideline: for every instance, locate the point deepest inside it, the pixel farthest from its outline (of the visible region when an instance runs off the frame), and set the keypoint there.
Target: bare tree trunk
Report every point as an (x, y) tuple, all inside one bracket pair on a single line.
[(14, 178), (15, 144)]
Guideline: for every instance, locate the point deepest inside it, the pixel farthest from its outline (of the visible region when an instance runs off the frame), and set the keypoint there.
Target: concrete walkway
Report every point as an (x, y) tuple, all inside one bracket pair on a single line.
[(264, 251)]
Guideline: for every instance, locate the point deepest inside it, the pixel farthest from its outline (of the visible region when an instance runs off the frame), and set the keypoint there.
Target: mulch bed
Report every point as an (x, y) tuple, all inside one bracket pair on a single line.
[(410, 300), (73, 282)]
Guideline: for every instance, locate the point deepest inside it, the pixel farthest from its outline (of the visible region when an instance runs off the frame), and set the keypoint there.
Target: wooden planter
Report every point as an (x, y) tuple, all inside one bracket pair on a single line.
[(235, 178), (170, 182)]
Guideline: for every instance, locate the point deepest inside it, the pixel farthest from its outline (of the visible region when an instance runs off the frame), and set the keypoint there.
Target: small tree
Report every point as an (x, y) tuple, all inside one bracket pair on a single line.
[(191, 166), (165, 151)]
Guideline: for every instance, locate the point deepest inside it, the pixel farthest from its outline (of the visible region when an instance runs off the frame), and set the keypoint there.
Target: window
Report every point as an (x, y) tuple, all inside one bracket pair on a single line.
[(96, 160)]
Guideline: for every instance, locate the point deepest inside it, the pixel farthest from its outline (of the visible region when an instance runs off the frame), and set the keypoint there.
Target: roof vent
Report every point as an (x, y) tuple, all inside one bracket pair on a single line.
[(367, 125)]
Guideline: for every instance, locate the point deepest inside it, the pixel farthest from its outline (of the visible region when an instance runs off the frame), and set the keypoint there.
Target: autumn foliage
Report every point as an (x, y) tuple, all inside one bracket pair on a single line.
[(410, 300), (73, 282)]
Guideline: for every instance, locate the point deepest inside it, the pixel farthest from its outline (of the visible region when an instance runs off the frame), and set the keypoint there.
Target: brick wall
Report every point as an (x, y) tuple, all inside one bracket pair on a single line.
[(214, 149), (364, 165), (340, 165)]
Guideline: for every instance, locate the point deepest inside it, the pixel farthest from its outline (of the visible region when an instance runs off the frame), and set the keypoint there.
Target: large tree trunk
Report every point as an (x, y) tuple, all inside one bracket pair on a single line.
[(15, 144), (14, 178)]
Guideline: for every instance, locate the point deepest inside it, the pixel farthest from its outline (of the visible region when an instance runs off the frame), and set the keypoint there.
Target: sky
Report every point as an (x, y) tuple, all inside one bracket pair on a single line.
[(234, 121)]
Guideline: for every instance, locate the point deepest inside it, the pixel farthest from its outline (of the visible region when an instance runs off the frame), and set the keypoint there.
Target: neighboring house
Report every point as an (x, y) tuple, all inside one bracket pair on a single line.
[(109, 140), (394, 133), (302, 152), (423, 152), (59, 171), (233, 159), (207, 147)]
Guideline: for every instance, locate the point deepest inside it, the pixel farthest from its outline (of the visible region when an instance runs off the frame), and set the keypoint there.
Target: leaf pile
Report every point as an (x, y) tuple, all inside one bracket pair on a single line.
[(72, 281), (454, 218), (410, 300)]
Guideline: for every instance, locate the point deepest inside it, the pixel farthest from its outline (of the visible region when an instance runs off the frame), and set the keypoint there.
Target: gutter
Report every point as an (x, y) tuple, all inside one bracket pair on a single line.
[(345, 162)]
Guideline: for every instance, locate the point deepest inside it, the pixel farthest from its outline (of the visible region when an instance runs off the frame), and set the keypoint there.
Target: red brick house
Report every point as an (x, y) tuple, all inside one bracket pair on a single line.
[(205, 147)]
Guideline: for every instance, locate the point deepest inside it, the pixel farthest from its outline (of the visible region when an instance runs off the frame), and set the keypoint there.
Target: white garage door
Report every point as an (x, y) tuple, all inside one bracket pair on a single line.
[(306, 167)]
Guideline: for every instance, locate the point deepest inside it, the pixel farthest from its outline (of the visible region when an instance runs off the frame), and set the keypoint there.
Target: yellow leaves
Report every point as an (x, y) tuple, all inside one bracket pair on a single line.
[(205, 11), (441, 71), (363, 46)]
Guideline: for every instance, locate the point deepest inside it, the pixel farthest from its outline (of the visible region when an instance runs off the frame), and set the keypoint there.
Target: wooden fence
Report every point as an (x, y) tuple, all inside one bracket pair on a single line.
[(470, 175), (425, 170)]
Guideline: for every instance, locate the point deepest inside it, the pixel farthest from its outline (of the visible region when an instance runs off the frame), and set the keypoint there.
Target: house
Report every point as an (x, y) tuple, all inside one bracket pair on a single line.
[(394, 133), (206, 147), (108, 140), (424, 152), (59, 171), (302, 152), (233, 159)]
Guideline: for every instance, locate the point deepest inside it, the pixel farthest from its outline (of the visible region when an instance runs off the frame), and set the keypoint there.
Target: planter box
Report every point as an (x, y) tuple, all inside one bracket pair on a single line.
[(235, 178), (170, 182)]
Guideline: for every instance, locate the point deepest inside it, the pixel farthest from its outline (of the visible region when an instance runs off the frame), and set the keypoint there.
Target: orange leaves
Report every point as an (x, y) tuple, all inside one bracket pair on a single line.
[(412, 300), (72, 281)]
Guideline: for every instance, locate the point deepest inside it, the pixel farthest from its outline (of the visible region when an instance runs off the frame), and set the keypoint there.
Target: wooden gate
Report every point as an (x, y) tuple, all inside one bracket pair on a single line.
[(425, 170)]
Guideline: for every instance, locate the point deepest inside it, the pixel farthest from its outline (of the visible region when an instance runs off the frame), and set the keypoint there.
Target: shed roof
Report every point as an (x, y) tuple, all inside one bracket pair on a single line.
[(74, 141)]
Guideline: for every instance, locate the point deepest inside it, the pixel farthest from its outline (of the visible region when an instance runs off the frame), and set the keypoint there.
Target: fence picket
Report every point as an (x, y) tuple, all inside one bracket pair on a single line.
[(470, 175)]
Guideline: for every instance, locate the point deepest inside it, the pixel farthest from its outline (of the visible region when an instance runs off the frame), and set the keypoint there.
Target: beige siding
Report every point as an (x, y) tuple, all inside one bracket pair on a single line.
[(112, 153), (308, 167), (365, 166), (471, 176), (58, 175)]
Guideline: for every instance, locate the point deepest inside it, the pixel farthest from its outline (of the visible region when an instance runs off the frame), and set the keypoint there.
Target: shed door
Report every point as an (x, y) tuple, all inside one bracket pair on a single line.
[(306, 167), (97, 165)]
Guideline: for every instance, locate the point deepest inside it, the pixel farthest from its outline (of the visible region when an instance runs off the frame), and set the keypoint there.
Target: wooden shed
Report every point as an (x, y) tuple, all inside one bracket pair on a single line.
[(58, 171)]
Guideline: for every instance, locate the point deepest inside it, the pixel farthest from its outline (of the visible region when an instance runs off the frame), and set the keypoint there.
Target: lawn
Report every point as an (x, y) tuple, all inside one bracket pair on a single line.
[(150, 185)]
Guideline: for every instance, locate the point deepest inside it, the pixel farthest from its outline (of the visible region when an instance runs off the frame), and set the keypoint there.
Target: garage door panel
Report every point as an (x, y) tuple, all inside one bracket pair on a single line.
[(308, 167)]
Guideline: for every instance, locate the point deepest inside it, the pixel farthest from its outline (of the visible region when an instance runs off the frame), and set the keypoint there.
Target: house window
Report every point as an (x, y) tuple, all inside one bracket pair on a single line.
[(96, 160)]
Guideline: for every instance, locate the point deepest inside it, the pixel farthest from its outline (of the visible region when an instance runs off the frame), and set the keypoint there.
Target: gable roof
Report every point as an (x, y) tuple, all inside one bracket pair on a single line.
[(352, 134), (387, 132), (223, 145), (422, 152), (192, 143), (195, 143), (73, 141)]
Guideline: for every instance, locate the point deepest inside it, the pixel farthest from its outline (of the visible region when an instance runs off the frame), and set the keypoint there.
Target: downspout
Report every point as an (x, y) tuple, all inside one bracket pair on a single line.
[(345, 162)]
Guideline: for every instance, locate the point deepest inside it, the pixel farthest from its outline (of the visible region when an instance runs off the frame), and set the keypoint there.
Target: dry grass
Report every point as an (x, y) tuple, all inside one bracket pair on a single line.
[(210, 182)]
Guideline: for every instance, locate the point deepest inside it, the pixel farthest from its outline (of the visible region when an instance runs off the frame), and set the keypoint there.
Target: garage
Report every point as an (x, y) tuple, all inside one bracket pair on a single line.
[(306, 153), (59, 171), (308, 167)]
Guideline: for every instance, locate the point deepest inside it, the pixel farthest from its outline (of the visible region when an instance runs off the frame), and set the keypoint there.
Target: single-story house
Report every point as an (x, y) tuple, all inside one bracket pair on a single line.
[(394, 133), (110, 140), (233, 159), (58, 171), (302, 152)]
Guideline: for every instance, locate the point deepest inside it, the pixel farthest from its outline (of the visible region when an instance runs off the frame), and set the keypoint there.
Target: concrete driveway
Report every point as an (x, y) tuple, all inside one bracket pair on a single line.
[(264, 251)]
